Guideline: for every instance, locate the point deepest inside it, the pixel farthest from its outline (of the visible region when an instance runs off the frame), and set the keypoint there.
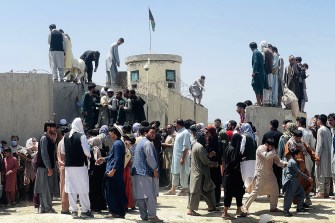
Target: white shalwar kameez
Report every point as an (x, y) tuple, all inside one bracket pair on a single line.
[(76, 178)]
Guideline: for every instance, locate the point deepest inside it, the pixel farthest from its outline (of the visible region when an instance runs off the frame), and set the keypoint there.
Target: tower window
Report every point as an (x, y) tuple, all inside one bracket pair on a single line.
[(134, 75), (170, 75)]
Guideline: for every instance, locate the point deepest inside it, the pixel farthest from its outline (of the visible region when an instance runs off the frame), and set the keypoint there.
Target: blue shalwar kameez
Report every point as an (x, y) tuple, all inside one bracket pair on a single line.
[(114, 187)]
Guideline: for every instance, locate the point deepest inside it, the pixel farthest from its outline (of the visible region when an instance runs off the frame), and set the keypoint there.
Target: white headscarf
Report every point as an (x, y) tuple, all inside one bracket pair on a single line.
[(201, 125), (136, 127), (29, 143), (77, 126), (103, 92)]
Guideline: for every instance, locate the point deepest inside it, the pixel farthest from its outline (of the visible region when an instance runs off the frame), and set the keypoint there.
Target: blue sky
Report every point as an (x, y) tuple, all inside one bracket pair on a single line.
[(212, 37)]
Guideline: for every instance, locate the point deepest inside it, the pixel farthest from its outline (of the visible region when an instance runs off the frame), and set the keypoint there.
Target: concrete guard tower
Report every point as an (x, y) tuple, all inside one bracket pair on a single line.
[(154, 74), (157, 78)]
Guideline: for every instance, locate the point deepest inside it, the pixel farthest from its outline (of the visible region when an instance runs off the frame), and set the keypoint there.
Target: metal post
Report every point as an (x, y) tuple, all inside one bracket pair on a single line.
[(148, 94)]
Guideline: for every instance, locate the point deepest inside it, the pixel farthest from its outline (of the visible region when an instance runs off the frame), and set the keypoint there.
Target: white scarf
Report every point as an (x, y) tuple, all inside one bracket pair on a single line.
[(77, 126)]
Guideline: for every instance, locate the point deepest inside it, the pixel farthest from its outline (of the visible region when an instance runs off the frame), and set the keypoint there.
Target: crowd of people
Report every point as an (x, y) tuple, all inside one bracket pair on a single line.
[(112, 159), (271, 80), (121, 166), (102, 107), (65, 67)]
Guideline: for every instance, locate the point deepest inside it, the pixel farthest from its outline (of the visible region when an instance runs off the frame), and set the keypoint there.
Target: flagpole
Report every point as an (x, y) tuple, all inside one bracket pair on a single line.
[(149, 34)]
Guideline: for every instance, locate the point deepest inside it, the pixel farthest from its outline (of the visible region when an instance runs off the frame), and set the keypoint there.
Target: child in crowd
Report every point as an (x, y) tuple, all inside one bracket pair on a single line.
[(11, 166), (291, 186)]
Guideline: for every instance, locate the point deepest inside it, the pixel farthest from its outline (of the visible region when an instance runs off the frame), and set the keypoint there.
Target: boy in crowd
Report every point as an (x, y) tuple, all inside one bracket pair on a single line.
[(291, 186)]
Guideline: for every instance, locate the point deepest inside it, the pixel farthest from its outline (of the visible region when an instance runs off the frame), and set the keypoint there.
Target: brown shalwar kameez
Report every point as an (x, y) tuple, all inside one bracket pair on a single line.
[(265, 182), (200, 178)]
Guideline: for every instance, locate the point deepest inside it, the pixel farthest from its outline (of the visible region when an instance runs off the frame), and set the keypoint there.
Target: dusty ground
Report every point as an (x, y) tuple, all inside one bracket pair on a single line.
[(173, 209)]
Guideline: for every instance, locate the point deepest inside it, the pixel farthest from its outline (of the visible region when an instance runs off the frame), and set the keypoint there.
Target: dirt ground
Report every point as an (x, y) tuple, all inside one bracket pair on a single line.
[(173, 209)]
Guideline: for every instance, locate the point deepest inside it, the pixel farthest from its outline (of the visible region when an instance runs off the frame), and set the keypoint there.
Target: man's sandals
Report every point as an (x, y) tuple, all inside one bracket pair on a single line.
[(193, 213), (275, 210), (227, 217)]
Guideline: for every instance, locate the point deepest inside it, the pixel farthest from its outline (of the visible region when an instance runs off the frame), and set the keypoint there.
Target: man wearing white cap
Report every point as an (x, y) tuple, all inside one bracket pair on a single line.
[(60, 126), (75, 151), (63, 122)]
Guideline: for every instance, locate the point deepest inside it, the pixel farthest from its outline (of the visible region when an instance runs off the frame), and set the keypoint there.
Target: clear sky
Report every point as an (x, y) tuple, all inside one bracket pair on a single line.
[(212, 37)]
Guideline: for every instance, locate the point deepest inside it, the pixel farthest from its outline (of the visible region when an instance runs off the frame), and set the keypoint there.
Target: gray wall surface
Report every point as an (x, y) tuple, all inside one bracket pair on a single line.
[(184, 108), (65, 96), (261, 117), (157, 109), (30, 99), (25, 105)]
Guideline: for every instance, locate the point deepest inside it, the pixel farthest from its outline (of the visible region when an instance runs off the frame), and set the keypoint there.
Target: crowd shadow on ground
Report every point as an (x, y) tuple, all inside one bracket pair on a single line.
[(317, 212), (8, 210)]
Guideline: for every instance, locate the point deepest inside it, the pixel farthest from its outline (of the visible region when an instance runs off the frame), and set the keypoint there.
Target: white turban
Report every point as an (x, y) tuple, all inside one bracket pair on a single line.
[(103, 92), (264, 44), (77, 126)]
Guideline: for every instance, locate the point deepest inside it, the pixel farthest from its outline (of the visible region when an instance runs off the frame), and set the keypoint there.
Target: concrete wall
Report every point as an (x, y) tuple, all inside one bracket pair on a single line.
[(176, 107), (261, 117), (65, 96), (28, 100), (201, 114), (181, 107), (121, 81), (157, 110), (25, 105)]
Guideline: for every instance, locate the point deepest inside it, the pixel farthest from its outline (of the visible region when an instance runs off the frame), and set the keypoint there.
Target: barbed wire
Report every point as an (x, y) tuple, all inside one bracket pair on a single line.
[(33, 71), (156, 87)]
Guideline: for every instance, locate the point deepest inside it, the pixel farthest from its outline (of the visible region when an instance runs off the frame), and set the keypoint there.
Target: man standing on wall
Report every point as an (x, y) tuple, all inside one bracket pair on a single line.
[(291, 76), (268, 63), (258, 73), (57, 44), (112, 62), (89, 57), (197, 88)]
